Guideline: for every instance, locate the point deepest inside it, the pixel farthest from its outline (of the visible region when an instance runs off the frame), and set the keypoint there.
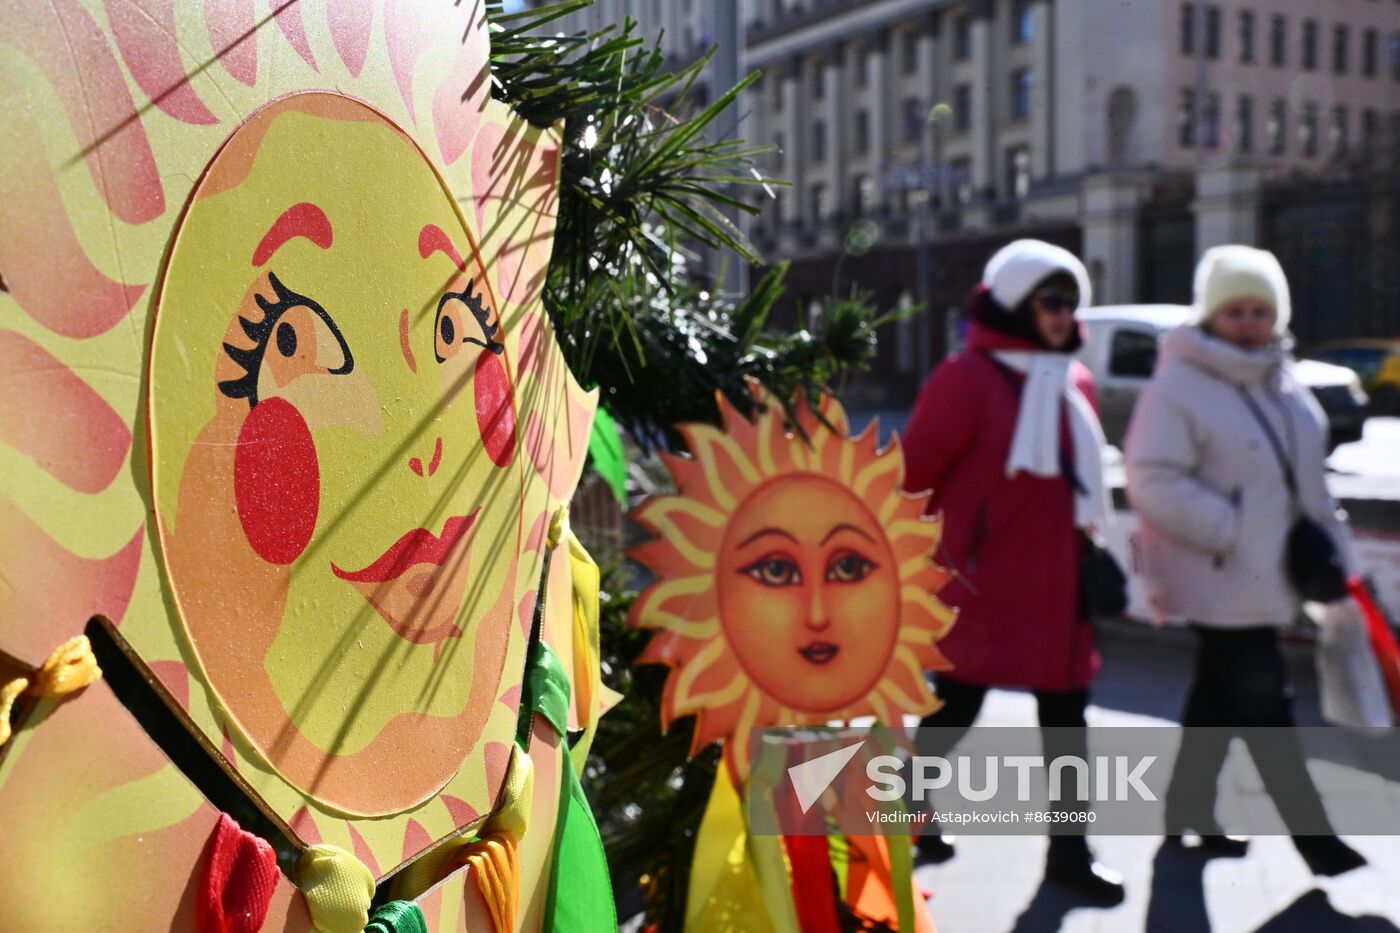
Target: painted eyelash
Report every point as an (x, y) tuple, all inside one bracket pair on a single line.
[(250, 358)]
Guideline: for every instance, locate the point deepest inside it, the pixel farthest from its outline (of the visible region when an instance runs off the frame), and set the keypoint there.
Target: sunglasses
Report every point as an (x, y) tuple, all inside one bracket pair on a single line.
[(1055, 301)]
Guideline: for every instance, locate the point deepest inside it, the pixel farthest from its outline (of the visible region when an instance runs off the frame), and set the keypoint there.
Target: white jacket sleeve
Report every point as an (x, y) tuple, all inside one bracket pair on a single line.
[(1160, 458)]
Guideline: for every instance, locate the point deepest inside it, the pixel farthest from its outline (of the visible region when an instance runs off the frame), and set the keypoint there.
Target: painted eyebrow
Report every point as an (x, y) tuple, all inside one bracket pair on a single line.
[(431, 240), (766, 531), (300, 220), (846, 527)]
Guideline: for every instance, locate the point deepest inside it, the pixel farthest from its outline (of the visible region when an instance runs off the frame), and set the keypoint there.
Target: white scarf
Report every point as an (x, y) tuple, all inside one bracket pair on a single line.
[(1035, 445)]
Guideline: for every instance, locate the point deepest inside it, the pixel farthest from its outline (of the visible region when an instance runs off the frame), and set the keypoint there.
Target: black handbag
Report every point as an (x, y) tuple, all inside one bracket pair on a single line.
[(1311, 559), (1103, 587)]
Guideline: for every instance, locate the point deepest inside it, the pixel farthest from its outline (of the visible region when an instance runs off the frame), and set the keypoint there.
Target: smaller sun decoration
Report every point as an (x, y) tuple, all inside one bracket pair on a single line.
[(795, 579)]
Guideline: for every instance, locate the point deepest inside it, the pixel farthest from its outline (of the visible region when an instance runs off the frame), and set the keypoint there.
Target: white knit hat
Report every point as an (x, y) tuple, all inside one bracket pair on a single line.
[(1020, 266), (1229, 272)]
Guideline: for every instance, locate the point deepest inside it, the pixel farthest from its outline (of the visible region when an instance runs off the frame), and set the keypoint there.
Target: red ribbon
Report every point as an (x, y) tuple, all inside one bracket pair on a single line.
[(239, 880)]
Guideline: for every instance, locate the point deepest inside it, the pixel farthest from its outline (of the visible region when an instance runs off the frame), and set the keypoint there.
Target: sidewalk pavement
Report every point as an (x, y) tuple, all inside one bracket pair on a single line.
[(993, 885)]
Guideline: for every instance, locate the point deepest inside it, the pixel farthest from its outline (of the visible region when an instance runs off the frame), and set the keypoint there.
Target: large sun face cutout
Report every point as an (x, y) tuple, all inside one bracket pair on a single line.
[(795, 582), (334, 466)]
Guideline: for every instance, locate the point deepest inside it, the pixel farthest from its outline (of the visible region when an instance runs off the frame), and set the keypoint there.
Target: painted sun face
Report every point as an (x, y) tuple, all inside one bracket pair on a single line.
[(334, 460), (794, 579), (806, 577)]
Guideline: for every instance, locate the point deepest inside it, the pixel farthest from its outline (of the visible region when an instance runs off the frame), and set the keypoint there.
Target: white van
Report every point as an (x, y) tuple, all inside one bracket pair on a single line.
[(1120, 348)]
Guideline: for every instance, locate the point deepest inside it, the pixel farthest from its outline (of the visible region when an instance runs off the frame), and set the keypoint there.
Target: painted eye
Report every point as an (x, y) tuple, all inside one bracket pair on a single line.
[(774, 570), (848, 567), (294, 337), (463, 317)]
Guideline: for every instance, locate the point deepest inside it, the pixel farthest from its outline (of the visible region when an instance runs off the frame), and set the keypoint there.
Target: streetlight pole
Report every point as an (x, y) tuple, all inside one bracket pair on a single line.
[(923, 359), (922, 179)]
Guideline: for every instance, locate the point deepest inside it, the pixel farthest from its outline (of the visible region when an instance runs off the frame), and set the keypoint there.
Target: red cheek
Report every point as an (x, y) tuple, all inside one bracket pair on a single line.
[(276, 481), (495, 409)]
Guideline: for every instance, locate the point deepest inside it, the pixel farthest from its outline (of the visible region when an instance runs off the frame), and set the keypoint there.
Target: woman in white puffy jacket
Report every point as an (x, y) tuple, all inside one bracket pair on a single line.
[(1205, 475)]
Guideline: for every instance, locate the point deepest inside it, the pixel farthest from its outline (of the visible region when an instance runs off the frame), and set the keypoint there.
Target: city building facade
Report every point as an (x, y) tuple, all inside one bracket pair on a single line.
[(1137, 132)]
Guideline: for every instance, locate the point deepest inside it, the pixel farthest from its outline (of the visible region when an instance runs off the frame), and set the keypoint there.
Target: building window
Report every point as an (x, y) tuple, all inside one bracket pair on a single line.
[(1022, 22), (909, 52), (1212, 37), (1370, 47), (1307, 129), (862, 131), (1370, 125), (866, 195), (1277, 128), (860, 65), (1278, 41), (1188, 28), (1246, 37), (1337, 131), (1244, 124), (1309, 45), (779, 149), (818, 79), (909, 109), (778, 96), (1018, 172), (817, 193), (819, 140), (960, 179), (1392, 49), (1021, 83), (1210, 121), (1186, 119), (1340, 40), (962, 37), (962, 107)]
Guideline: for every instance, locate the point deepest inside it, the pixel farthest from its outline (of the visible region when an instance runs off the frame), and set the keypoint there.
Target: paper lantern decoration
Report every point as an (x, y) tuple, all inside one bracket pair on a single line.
[(284, 411), (794, 586)]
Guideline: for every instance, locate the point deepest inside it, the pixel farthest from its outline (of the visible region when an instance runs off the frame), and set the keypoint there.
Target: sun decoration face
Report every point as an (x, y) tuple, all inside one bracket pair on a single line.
[(333, 425), (795, 582), (284, 402)]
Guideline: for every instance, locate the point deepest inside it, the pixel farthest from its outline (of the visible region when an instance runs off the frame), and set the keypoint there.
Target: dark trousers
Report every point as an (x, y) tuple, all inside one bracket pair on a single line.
[(1061, 721), (1240, 681)]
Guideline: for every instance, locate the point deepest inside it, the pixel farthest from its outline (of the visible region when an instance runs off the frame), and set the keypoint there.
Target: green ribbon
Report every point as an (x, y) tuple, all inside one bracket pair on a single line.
[(580, 892), (605, 451), (398, 917), (546, 691)]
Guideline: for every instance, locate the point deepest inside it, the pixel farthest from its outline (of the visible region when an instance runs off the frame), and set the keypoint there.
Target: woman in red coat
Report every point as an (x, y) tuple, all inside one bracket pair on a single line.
[(1006, 436)]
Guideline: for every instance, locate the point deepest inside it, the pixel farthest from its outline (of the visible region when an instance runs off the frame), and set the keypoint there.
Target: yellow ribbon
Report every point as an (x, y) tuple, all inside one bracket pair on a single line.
[(594, 698), (338, 889), (494, 865), (588, 672), (69, 669), (509, 819)]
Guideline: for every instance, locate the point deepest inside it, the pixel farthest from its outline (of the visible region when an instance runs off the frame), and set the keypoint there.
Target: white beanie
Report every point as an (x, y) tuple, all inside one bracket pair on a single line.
[(1018, 267), (1226, 273)]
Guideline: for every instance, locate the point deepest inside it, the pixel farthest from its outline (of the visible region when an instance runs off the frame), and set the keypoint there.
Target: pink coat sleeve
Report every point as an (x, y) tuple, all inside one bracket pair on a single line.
[(942, 426)]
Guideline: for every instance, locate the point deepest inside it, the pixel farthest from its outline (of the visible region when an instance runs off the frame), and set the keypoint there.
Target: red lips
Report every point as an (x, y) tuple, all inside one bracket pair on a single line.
[(419, 546), (819, 652)]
